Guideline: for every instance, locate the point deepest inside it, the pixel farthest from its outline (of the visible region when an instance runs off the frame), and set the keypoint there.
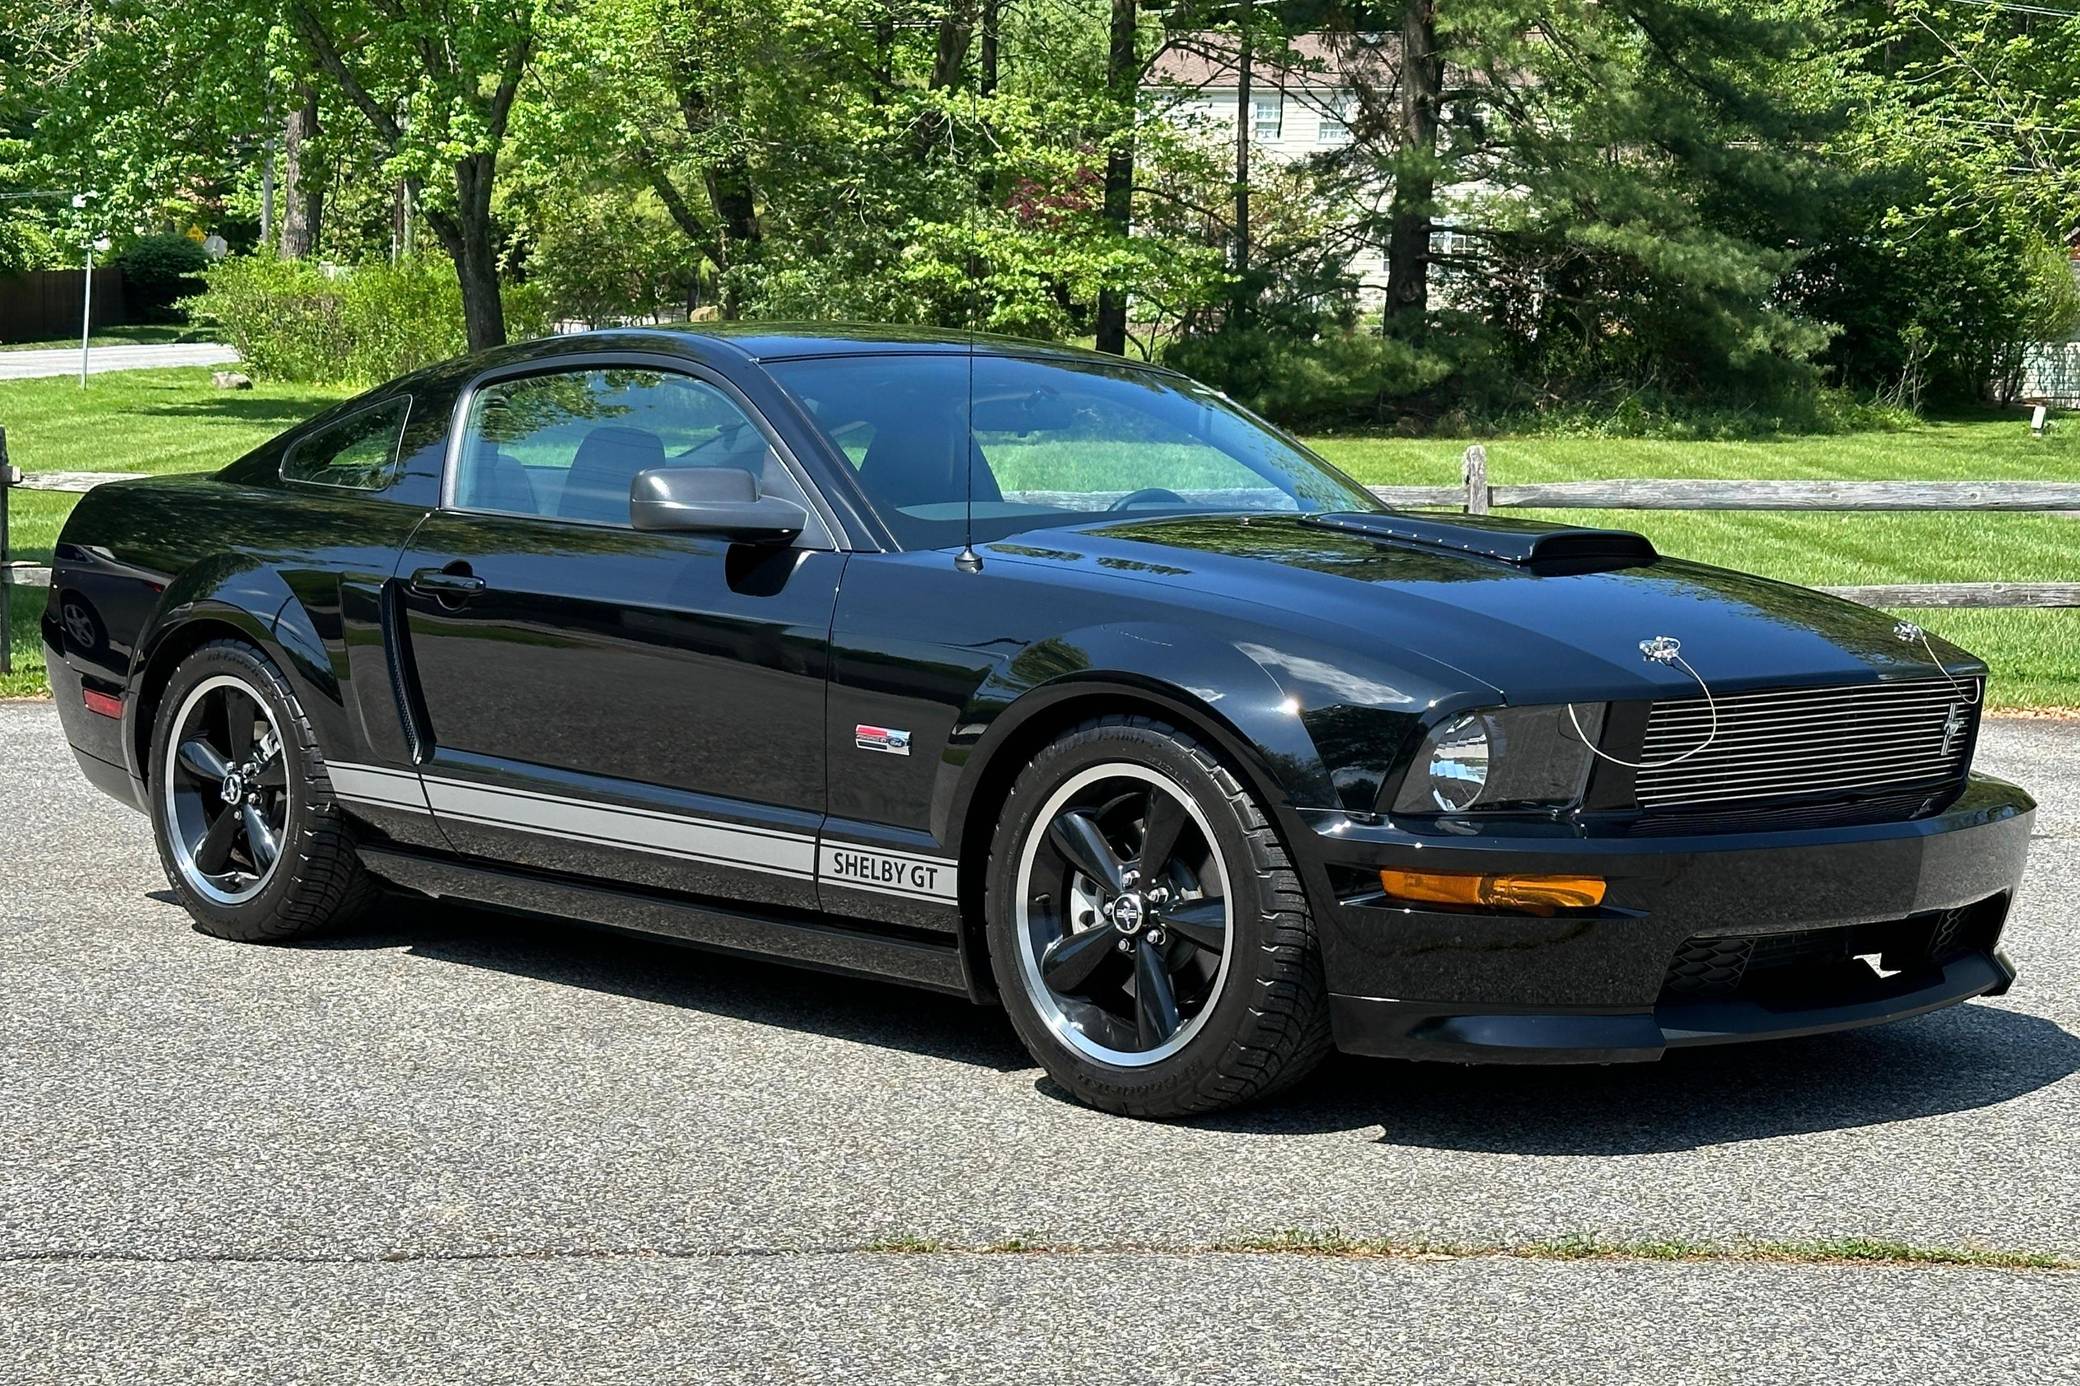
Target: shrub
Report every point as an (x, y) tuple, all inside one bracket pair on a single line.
[(1335, 376), (158, 271), (294, 320), (26, 244), (608, 259)]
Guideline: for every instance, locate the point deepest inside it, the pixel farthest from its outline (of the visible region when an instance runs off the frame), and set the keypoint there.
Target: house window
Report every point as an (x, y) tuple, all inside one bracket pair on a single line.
[(1267, 116), (1335, 127)]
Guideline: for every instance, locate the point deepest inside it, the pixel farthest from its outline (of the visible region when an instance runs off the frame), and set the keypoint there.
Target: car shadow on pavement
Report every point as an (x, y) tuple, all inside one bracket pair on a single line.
[(647, 969), (1957, 1060)]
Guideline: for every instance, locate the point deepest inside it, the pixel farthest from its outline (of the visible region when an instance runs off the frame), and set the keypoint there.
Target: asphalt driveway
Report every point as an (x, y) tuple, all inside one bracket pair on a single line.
[(457, 1146)]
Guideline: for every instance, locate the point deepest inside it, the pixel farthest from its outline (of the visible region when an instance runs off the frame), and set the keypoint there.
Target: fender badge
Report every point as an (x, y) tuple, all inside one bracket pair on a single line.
[(887, 739)]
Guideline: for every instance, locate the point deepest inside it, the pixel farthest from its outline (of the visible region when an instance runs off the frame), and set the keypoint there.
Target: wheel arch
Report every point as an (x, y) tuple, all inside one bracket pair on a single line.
[(1041, 716), (253, 606)]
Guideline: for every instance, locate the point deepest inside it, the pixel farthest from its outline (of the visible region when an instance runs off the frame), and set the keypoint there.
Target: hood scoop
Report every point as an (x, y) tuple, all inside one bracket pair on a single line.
[(1545, 550)]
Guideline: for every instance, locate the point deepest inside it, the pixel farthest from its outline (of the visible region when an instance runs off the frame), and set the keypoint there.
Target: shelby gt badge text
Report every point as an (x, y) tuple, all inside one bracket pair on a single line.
[(889, 739), (894, 873)]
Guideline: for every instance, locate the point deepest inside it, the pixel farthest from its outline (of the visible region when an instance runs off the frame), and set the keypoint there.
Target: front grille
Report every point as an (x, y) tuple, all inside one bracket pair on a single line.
[(1808, 743)]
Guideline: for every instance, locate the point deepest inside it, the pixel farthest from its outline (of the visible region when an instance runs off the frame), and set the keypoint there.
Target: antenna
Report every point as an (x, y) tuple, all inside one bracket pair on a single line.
[(967, 560)]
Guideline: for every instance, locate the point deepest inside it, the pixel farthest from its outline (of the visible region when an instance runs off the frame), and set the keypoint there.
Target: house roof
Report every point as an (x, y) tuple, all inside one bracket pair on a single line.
[(1324, 62)]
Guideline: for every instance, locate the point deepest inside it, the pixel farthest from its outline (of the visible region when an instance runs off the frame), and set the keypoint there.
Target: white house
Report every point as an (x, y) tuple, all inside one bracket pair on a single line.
[(1299, 106)]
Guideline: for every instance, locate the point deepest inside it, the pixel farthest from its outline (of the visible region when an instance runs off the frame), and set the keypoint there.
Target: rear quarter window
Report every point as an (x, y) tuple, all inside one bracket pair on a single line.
[(357, 453)]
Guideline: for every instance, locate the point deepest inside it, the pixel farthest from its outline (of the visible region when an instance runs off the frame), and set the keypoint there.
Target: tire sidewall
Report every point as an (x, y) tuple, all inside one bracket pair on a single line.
[(264, 683), (1184, 1073)]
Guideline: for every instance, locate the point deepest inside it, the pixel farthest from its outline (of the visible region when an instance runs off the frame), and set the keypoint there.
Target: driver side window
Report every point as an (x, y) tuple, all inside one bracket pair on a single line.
[(567, 444)]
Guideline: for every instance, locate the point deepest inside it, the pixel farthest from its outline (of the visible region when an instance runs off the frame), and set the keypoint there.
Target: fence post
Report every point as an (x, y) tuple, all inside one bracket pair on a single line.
[(6, 575), (1474, 470)]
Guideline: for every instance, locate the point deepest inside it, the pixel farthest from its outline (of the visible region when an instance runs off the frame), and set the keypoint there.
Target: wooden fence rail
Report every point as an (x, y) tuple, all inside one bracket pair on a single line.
[(1745, 495)]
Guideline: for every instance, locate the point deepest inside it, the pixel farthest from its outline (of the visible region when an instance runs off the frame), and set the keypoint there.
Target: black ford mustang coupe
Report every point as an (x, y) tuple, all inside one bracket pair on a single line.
[(1033, 676)]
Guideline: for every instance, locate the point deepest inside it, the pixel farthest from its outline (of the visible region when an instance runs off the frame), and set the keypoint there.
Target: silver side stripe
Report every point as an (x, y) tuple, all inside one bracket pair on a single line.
[(726, 844), (770, 850), (372, 784)]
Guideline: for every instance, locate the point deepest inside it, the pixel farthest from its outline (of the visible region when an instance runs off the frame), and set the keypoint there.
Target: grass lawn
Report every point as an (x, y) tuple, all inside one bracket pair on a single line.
[(172, 420), (124, 421), (137, 334)]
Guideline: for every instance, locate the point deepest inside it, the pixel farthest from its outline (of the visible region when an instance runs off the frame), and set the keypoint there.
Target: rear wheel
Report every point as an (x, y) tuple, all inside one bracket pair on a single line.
[(241, 807), (1147, 930)]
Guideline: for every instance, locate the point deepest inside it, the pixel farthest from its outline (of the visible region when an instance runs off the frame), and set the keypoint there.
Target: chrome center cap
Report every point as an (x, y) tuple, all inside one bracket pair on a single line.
[(233, 788), (1128, 913)]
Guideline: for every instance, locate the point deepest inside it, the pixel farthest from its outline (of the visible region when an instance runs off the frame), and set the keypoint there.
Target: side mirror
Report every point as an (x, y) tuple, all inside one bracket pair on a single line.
[(711, 500)]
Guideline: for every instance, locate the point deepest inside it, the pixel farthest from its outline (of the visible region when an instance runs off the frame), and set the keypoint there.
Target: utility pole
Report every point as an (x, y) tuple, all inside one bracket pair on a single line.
[(86, 294), (1122, 79)]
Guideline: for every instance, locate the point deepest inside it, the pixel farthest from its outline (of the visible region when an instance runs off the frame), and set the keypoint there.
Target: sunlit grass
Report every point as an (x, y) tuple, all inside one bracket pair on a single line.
[(124, 421)]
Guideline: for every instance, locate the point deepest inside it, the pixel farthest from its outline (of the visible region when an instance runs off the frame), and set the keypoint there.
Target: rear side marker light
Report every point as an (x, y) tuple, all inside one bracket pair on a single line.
[(105, 704), (1539, 894)]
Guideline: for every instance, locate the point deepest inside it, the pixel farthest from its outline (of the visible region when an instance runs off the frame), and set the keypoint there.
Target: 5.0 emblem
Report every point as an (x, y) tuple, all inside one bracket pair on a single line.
[(890, 739)]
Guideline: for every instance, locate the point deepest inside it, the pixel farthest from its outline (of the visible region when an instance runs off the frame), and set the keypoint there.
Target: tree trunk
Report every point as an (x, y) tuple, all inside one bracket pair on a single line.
[(729, 192), (728, 183), (1122, 75), (991, 13), (884, 57), (1244, 118), (956, 32), (1415, 180), (303, 192), (466, 236)]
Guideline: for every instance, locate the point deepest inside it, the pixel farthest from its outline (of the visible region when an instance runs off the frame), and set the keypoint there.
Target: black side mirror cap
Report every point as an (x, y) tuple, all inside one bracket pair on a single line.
[(723, 501)]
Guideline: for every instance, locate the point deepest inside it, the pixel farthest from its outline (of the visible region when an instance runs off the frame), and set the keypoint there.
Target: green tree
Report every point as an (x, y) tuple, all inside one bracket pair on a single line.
[(436, 84)]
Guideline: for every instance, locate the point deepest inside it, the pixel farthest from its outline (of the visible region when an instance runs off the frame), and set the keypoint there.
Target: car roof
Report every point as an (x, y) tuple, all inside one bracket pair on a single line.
[(757, 342), (780, 341)]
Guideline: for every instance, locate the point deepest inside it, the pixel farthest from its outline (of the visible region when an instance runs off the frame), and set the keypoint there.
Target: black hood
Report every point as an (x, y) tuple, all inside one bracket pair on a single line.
[(1533, 636)]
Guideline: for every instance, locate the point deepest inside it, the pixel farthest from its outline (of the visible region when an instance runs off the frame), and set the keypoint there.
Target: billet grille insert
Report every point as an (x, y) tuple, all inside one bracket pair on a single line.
[(1809, 743)]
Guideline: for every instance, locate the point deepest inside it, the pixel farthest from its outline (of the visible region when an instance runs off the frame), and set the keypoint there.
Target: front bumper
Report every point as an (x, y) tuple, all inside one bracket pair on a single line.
[(1601, 986)]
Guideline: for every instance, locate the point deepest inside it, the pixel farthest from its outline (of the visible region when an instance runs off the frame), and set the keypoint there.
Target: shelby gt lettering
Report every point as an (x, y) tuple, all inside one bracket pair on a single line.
[(1178, 746)]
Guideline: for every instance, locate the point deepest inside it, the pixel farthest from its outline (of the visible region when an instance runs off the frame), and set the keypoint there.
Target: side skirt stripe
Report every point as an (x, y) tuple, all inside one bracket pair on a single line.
[(799, 856), (792, 856), (624, 844)]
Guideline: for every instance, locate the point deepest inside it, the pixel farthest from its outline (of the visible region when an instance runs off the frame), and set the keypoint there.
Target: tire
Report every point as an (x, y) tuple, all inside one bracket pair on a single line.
[(315, 880), (1251, 1019)]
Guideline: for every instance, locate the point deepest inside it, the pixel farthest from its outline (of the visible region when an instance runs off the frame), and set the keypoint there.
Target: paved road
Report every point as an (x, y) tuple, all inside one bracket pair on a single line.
[(22, 365), (457, 1145)]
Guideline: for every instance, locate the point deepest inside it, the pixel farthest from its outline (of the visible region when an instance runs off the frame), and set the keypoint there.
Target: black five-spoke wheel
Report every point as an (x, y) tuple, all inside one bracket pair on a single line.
[(1124, 914), (225, 791)]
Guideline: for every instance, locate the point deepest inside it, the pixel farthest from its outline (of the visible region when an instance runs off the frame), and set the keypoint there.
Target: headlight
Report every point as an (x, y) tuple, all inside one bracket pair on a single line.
[(1501, 759)]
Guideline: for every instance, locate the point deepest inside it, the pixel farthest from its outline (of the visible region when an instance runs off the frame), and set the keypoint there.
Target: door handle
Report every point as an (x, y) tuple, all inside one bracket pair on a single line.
[(452, 582)]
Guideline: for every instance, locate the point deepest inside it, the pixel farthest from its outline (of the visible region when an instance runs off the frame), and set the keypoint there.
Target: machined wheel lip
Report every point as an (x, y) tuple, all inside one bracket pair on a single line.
[(192, 874), (1045, 1002)]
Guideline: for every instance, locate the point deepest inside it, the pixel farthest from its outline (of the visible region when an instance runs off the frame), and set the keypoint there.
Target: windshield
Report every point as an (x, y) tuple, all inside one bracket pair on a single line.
[(1053, 443)]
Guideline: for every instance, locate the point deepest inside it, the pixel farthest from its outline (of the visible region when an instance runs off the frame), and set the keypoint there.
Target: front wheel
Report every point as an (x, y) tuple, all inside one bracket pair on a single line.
[(1147, 930), (248, 832)]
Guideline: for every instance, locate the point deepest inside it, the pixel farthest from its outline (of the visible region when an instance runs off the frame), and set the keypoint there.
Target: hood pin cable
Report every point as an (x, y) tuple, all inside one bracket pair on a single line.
[(1662, 649), (1906, 632)]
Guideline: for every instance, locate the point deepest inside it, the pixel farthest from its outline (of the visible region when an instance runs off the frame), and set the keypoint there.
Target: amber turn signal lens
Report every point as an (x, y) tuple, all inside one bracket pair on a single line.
[(1539, 893)]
